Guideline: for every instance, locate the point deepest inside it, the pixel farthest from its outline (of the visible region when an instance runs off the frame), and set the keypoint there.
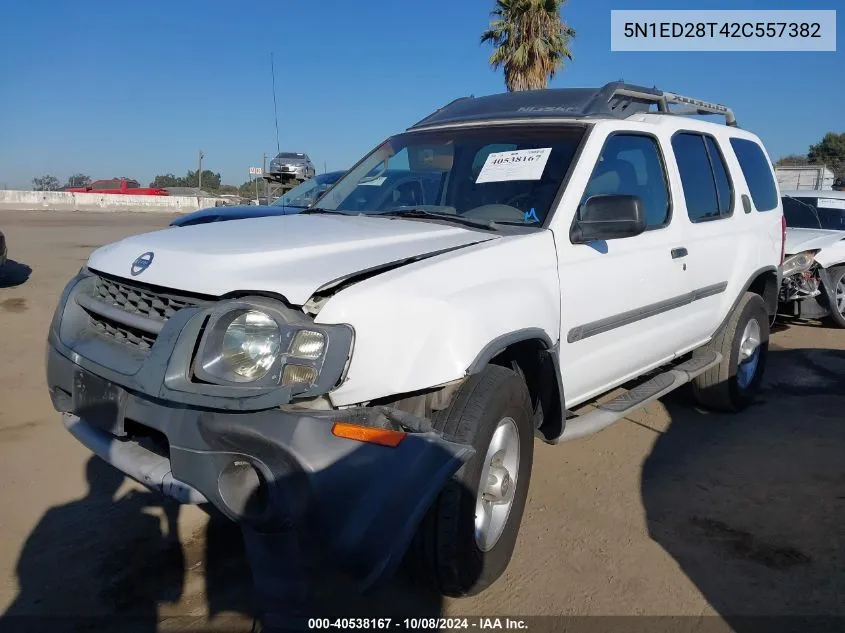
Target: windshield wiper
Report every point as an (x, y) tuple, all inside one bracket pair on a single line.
[(316, 210), (449, 217)]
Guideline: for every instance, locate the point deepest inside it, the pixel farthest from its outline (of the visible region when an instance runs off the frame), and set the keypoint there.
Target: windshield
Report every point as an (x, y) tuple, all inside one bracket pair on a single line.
[(305, 194), (498, 173), (802, 213), (289, 155)]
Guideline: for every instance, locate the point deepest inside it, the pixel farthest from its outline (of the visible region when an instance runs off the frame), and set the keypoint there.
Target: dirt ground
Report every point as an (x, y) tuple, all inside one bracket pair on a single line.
[(671, 512)]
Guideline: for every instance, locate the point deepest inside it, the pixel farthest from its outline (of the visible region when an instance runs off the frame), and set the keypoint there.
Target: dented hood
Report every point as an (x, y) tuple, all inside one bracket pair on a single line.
[(800, 240), (292, 256)]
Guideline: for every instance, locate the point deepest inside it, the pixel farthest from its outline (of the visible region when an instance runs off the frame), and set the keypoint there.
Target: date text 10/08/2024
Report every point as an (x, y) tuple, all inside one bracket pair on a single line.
[(423, 624)]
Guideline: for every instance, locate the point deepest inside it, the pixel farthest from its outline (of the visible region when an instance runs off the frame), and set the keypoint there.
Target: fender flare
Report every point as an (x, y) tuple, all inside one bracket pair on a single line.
[(550, 349)]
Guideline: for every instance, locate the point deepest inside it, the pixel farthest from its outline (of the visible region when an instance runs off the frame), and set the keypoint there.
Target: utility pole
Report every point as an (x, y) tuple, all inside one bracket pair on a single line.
[(199, 174), (266, 182), (324, 167)]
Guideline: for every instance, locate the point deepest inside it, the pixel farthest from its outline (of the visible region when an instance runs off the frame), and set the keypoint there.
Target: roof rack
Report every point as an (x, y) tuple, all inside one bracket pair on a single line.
[(616, 99)]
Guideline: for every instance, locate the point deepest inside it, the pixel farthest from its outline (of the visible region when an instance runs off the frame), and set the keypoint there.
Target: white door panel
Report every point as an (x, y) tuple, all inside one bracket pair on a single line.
[(625, 303)]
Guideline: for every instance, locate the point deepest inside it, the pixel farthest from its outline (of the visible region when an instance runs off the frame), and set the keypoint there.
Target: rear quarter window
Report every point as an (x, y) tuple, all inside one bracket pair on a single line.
[(758, 173)]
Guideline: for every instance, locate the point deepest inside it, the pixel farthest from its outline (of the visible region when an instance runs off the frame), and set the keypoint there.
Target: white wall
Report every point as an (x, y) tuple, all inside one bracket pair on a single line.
[(65, 201)]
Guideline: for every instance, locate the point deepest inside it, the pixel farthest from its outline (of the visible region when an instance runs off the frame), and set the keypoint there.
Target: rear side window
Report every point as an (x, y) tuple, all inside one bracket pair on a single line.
[(632, 165), (758, 173), (697, 176)]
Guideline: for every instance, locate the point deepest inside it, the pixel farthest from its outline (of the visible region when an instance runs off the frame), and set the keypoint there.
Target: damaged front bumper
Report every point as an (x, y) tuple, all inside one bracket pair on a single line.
[(269, 467)]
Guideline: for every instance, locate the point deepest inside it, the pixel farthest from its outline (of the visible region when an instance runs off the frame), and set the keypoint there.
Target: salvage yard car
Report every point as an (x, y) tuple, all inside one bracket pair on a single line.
[(300, 197), (373, 371), (296, 165), (814, 270)]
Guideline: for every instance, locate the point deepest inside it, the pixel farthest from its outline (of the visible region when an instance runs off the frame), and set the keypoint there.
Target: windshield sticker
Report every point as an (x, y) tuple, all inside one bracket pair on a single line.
[(832, 203), (375, 182), (530, 216), (520, 164)]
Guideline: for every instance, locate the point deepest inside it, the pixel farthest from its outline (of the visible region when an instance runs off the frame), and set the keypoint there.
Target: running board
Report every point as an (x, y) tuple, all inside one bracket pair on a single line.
[(614, 410)]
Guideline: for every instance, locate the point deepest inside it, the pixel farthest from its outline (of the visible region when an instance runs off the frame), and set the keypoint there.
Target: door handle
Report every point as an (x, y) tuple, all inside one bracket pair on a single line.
[(679, 252)]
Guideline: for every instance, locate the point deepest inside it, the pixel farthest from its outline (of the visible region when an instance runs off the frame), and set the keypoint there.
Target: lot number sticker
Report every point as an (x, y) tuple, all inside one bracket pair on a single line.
[(832, 203), (521, 164)]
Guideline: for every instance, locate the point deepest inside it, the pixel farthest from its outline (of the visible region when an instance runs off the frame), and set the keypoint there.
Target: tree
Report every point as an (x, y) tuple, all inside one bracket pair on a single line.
[(167, 180), (46, 183), (793, 160), (247, 190), (210, 180), (531, 41), (830, 151), (78, 180)]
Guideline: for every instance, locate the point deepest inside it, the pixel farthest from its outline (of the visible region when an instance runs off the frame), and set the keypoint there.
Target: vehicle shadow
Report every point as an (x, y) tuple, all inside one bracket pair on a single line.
[(752, 506), (101, 562), (297, 574), (14, 274), (105, 563)]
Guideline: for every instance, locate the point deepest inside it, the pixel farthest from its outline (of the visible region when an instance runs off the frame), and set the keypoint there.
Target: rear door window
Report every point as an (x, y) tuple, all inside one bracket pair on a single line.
[(697, 176), (758, 173)]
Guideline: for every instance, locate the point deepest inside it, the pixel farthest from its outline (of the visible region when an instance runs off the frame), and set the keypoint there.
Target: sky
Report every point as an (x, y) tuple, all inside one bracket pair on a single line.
[(138, 88)]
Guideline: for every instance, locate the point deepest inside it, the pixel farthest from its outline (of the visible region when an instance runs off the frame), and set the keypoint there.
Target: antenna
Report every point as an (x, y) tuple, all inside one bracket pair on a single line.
[(275, 109)]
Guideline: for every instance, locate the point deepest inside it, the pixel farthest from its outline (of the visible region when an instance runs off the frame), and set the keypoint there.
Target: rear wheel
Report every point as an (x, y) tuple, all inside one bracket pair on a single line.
[(744, 344), (466, 540), (837, 308)]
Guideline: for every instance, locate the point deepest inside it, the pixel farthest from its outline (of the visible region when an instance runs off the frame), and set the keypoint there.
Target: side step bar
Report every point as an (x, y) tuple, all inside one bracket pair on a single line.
[(610, 412)]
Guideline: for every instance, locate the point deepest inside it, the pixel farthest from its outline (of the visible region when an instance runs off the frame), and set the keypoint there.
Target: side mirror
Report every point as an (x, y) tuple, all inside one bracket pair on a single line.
[(609, 217)]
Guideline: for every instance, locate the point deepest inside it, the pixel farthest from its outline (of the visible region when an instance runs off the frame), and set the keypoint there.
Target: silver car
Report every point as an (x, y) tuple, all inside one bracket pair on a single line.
[(292, 164)]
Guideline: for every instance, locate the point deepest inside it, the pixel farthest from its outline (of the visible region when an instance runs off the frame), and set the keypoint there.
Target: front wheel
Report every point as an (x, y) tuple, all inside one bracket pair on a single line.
[(744, 345), (837, 287), (466, 540)]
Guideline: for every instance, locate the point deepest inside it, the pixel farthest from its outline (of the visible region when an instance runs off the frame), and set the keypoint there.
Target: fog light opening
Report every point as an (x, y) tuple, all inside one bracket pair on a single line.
[(243, 489)]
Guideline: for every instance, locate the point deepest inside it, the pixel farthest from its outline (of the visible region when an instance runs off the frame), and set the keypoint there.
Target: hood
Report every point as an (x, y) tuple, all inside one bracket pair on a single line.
[(291, 256), (800, 240)]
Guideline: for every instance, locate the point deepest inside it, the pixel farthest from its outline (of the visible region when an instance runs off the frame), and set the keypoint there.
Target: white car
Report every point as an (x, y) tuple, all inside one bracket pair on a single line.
[(814, 271), (373, 372)]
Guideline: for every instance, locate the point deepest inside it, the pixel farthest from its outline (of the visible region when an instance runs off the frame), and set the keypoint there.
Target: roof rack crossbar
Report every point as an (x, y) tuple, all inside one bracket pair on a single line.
[(664, 98)]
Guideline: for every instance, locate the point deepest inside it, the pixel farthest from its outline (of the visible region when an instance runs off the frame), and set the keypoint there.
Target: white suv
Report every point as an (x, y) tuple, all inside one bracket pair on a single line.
[(373, 371)]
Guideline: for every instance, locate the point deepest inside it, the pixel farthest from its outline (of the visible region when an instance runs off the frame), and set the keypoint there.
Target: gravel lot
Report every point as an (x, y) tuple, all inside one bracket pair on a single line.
[(671, 512)]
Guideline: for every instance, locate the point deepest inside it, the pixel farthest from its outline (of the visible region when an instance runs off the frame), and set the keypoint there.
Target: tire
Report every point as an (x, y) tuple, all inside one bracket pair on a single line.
[(837, 308), (446, 554), (726, 387)]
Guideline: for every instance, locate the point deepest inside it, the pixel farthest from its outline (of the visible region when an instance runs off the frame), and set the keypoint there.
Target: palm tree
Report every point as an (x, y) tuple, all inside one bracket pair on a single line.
[(531, 41)]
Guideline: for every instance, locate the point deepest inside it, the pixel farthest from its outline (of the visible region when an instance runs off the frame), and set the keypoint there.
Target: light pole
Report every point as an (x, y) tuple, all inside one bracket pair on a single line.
[(199, 174)]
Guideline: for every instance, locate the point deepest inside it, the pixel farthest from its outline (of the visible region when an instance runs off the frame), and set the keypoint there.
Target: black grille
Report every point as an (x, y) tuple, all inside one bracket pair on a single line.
[(143, 302), (137, 338), (154, 308)]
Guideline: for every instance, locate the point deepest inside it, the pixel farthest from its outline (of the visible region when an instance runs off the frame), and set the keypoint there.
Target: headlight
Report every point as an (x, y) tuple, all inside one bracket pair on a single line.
[(257, 344), (248, 349), (308, 344), (797, 263)]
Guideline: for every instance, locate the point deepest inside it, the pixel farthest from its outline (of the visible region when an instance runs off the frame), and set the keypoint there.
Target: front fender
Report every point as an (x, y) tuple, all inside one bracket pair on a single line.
[(425, 324)]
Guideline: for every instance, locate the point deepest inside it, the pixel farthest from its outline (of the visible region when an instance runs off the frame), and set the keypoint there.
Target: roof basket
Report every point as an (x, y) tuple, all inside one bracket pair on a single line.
[(617, 100)]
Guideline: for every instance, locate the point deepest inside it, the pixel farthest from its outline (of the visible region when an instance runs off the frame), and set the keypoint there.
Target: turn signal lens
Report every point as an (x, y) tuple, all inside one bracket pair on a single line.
[(368, 434), (299, 375), (307, 344)]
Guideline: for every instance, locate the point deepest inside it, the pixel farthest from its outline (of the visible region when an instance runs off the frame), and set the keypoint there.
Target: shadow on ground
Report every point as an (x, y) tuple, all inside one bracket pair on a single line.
[(14, 274), (106, 563), (752, 506)]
